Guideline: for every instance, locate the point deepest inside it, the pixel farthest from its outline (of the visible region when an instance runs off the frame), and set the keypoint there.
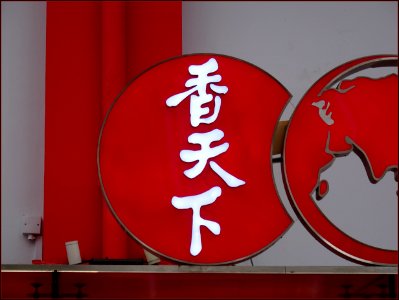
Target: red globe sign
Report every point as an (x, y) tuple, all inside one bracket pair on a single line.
[(359, 115), (184, 159)]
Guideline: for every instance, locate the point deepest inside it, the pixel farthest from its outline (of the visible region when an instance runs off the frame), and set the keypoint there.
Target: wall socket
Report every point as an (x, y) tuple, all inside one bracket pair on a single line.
[(31, 226)]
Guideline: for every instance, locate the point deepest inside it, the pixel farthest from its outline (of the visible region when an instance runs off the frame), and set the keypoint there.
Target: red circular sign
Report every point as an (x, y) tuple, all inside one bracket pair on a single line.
[(184, 159), (359, 115)]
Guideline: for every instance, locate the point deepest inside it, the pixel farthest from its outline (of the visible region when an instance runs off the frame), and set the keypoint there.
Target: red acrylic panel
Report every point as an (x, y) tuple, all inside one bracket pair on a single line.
[(141, 170), (359, 115)]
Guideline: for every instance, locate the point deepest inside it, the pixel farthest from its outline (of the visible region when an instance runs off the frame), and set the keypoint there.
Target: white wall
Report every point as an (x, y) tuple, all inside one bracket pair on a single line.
[(22, 125), (297, 43)]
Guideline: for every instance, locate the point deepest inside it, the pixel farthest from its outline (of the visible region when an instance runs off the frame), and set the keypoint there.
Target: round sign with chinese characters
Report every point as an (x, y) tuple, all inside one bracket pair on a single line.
[(184, 159)]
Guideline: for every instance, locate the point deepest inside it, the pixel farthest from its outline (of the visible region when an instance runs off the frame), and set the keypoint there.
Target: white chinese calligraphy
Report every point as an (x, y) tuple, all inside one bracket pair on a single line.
[(198, 97), (195, 203), (199, 85), (206, 152)]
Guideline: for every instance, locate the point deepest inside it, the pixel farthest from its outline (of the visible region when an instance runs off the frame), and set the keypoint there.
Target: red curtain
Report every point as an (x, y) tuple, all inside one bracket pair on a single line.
[(93, 50)]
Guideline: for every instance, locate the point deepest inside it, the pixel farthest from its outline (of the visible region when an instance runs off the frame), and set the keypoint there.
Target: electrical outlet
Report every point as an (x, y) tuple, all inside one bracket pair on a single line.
[(32, 225)]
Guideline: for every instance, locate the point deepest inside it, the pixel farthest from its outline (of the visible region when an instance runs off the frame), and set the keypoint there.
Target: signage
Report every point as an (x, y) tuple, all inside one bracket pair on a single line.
[(185, 159), (359, 115), (185, 155)]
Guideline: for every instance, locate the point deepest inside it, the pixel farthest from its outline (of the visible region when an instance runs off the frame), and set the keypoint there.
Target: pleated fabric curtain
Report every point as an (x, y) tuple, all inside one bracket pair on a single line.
[(93, 49)]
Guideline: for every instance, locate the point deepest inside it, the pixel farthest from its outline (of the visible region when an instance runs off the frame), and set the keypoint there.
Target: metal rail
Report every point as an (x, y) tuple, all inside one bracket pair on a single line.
[(202, 269)]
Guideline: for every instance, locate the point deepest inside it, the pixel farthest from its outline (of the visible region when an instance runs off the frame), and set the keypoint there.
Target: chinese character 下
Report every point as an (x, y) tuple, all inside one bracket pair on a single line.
[(195, 203)]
